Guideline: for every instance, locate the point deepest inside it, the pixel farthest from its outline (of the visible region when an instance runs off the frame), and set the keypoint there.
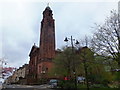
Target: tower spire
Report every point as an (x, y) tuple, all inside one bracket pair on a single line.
[(48, 4)]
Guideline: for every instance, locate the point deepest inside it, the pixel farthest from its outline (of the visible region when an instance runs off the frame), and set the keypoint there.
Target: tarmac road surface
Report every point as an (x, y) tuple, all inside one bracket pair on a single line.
[(26, 87)]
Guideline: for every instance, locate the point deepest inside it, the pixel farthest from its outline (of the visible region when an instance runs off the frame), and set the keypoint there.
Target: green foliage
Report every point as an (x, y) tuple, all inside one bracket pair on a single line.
[(101, 78), (98, 74), (81, 86), (118, 76), (86, 54), (66, 84), (65, 62), (98, 68), (98, 86), (96, 71)]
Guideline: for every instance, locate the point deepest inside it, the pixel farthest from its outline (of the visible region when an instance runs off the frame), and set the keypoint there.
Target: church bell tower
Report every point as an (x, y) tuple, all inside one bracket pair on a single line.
[(41, 57), (47, 35)]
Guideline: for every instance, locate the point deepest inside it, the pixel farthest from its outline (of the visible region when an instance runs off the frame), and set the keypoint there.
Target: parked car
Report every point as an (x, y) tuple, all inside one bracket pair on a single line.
[(80, 79), (53, 83)]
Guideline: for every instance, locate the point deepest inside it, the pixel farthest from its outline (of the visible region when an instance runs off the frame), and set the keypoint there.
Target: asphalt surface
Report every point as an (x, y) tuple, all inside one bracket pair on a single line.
[(26, 87)]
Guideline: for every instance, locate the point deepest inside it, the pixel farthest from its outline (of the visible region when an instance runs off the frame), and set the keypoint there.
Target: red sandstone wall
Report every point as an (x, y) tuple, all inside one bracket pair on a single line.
[(44, 66)]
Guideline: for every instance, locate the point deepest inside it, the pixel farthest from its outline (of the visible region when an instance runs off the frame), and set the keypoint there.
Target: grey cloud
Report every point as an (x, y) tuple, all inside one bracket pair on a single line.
[(21, 25)]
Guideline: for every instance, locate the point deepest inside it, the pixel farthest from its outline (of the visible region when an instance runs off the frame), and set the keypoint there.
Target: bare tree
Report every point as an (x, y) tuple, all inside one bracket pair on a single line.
[(86, 41), (106, 40)]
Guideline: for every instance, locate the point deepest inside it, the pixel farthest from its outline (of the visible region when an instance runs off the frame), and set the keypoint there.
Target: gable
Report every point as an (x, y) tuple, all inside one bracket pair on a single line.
[(33, 50)]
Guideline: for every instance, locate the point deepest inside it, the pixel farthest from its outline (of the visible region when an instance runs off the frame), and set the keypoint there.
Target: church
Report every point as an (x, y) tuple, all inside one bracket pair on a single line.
[(41, 56)]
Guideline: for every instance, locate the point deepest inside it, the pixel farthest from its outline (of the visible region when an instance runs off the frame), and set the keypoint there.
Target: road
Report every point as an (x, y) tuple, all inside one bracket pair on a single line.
[(26, 87)]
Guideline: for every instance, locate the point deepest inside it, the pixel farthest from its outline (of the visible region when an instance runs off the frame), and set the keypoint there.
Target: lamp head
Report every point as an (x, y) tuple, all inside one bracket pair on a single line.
[(66, 40), (77, 42)]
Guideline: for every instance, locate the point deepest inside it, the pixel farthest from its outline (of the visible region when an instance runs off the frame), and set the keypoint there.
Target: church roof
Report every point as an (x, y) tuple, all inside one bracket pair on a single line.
[(34, 49)]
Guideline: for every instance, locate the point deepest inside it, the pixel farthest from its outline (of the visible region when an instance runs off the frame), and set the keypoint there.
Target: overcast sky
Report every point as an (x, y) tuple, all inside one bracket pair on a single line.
[(20, 24)]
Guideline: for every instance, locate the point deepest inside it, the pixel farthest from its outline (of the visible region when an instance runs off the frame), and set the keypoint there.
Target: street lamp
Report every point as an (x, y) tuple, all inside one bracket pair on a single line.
[(71, 39)]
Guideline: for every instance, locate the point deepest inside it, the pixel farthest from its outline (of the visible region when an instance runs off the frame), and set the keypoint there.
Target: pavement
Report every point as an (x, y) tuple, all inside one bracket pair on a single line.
[(26, 87)]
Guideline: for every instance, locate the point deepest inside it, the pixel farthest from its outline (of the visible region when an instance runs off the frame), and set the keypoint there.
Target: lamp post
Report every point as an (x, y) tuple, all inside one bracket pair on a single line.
[(74, 71)]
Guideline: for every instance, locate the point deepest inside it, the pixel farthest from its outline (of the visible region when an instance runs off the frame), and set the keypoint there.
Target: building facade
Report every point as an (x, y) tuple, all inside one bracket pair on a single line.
[(41, 57), (19, 76)]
